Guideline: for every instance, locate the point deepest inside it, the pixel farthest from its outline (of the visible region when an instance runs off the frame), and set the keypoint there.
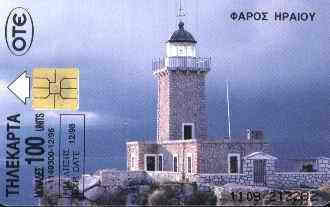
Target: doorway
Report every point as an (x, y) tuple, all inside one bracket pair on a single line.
[(259, 172)]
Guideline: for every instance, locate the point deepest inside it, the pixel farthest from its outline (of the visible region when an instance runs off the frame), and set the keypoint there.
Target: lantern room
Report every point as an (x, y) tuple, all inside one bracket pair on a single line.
[(181, 43)]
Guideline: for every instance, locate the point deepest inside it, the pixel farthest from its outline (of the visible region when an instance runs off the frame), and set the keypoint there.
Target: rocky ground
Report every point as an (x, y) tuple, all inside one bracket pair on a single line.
[(119, 189)]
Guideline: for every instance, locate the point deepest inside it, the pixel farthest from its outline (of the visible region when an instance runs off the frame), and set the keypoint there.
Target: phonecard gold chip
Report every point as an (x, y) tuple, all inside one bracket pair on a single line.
[(54, 88)]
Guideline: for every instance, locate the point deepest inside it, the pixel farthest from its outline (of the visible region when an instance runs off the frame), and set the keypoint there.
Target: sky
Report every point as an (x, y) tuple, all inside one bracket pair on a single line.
[(278, 71)]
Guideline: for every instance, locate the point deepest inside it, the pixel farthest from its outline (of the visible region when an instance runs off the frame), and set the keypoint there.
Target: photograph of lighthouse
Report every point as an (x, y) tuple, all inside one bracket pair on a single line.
[(162, 103)]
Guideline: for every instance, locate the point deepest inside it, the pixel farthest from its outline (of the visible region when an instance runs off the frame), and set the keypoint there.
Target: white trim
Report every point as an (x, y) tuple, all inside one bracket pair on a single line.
[(140, 142), (323, 158), (191, 159), (259, 156), (177, 163), (145, 160), (192, 129), (238, 162), (160, 155), (220, 174), (132, 143), (179, 141)]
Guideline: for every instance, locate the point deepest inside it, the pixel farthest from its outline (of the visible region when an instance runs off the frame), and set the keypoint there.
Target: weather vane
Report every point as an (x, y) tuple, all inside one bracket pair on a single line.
[(181, 12)]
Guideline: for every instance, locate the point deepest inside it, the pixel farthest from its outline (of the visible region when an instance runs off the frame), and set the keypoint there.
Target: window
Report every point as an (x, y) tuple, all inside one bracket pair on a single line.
[(181, 51), (175, 163), (189, 163), (171, 50), (307, 168), (233, 163), (160, 162), (153, 162), (188, 131), (191, 51), (150, 162)]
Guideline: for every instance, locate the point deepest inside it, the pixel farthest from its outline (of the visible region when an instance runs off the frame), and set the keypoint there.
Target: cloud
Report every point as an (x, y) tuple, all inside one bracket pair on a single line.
[(88, 114), (91, 117), (96, 118)]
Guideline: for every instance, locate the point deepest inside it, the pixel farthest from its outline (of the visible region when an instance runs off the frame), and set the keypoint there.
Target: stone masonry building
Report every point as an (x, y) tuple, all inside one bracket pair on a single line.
[(182, 144)]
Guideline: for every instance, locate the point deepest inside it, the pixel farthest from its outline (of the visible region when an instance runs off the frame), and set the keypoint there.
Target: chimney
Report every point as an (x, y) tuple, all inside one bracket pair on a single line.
[(254, 135)]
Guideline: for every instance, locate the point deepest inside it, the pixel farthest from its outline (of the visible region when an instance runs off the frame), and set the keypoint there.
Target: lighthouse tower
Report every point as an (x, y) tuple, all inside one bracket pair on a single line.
[(181, 108)]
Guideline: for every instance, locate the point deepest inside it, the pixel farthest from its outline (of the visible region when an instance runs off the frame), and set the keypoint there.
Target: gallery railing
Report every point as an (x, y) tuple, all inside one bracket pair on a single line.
[(182, 63)]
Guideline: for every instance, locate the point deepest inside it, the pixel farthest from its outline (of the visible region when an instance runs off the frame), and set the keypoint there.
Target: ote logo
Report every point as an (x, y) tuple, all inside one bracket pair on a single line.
[(19, 31)]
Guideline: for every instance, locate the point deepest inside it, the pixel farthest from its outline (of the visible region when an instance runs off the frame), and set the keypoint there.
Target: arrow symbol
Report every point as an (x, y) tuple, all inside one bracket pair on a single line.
[(20, 87)]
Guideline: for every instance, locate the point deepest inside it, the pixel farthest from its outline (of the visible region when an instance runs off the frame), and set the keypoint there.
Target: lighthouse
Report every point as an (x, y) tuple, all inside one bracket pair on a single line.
[(181, 144), (181, 74)]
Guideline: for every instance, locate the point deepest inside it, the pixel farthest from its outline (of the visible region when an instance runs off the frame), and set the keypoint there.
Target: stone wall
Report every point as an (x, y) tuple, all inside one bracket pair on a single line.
[(187, 103), (300, 179), (294, 165), (163, 107), (217, 179), (271, 180), (217, 149), (182, 149), (207, 156), (214, 155), (278, 180), (310, 179), (181, 99), (283, 180), (117, 178), (248, 172), (323, 164), (138, 151), (163, 177)]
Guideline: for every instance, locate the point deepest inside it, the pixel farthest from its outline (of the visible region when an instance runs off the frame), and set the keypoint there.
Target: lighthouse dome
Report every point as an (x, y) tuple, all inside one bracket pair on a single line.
[(182, 35)]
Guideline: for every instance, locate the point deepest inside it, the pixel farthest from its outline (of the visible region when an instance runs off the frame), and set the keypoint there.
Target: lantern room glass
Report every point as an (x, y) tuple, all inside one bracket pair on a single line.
[(180, 50)]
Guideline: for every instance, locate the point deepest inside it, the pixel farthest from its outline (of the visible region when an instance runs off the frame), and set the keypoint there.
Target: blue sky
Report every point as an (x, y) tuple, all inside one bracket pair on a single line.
[(279, 71)]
